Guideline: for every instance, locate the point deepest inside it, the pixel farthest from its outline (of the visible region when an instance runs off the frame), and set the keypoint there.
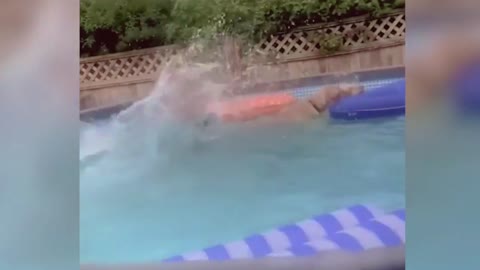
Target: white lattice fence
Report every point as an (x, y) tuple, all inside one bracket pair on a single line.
[(303, 43), (124, 67), (324, 39)]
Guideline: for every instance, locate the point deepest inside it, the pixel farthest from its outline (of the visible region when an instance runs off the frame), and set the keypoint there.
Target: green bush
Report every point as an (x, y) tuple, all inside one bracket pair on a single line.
[(118, 25), (108, 26)]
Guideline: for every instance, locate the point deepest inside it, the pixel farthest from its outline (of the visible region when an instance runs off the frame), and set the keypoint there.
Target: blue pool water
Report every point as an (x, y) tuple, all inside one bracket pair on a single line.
[(147, 201)]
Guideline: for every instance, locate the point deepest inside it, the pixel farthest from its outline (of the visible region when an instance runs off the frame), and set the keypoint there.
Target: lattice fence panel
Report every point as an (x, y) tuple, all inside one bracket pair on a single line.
[(124, 67), (341, 37), (354, 34)]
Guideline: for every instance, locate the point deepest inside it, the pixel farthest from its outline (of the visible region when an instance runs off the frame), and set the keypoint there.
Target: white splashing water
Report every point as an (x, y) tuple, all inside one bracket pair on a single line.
[(170, 118)]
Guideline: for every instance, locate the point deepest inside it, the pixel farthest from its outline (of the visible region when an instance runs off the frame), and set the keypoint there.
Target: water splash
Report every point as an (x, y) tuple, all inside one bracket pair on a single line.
[(168, 121), (173, 116)]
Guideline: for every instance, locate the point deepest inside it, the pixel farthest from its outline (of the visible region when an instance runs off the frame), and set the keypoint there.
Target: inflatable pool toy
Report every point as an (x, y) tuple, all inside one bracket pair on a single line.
[(251, 107), (383, 101), (357, 227), (385, 231)]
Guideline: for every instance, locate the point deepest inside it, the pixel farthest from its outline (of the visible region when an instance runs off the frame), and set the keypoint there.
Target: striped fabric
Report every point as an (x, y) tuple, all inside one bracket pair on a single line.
[(282, 238), (385, 231)]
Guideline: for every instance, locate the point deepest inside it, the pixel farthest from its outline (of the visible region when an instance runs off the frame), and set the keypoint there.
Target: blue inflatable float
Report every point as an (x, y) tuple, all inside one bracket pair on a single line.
[(383, 101), (356, 228)]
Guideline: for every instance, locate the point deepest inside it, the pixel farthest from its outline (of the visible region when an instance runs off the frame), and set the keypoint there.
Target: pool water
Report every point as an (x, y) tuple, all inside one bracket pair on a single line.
[(171, 192)]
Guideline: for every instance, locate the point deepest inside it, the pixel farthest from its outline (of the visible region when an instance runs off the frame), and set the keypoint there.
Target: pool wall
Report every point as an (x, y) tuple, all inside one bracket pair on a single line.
[(369, 77), (301, 88)]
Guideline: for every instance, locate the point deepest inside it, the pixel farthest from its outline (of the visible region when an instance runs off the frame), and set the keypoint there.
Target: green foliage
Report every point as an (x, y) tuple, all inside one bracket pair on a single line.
[(119, 25)]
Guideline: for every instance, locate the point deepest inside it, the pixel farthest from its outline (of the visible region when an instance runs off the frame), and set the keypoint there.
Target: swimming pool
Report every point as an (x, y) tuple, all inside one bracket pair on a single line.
[(148, 202)]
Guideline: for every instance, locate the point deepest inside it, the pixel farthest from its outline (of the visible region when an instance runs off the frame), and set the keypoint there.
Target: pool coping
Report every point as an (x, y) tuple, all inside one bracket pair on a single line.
[(373, 259), (363, 75)]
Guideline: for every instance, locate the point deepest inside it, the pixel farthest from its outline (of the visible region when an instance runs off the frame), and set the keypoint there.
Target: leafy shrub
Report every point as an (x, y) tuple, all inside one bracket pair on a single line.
[(119, 25)]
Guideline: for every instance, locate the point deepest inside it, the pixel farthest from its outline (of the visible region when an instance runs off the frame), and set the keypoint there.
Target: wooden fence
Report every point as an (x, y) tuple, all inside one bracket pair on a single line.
[(129, 67), (302, 45), (348, 35)]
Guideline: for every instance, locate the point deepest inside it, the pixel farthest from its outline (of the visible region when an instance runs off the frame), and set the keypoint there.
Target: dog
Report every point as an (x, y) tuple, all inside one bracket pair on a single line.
[(317, 105)]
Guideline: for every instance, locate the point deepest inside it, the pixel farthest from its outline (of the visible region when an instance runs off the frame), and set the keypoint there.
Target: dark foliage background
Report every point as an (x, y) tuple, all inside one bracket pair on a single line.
[(108, 26)]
